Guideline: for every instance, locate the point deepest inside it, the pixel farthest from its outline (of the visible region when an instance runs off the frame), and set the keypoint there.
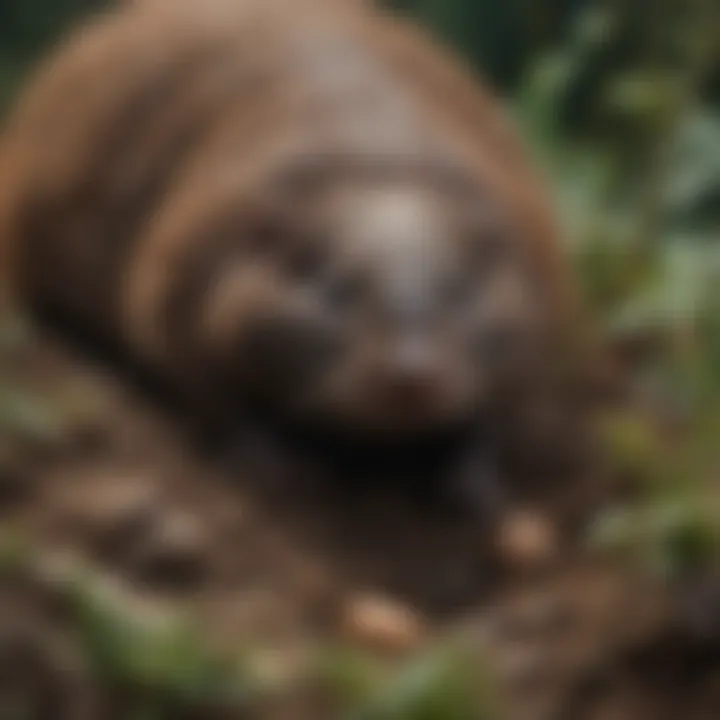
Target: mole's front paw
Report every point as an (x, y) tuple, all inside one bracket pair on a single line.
[(474, 488), (256, 452)]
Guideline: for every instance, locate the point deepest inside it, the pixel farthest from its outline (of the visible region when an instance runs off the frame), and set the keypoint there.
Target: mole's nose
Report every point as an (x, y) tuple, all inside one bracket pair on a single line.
[(410, 378)]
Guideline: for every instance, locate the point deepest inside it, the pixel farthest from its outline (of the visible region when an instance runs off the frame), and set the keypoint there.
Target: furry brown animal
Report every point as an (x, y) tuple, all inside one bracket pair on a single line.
[(303, 209)]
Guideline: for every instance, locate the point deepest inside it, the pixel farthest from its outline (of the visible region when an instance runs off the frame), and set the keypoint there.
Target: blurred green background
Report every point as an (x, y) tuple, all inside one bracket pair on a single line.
[(620, 101)]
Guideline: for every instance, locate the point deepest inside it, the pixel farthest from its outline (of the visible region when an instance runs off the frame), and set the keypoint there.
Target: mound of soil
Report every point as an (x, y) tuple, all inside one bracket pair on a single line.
[(100, 474)]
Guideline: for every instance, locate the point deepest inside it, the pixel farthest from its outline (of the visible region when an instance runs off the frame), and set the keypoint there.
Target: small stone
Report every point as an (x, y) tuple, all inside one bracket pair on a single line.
[(115, 511), (527, 539), (175, 553), (383, 625), (278, 667)]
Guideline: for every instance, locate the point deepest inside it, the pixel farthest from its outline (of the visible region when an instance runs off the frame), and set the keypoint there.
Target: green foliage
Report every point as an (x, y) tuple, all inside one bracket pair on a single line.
[(29, 26), (671, 536), (27, 417), (635, 165), (157, 659), (443, 686), (491, 35), (445, 682), (167, 657), (349, 674), (24, 416), (27, 29)]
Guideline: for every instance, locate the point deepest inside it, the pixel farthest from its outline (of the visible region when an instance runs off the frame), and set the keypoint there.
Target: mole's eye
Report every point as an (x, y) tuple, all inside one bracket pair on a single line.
[(307, 263), (343, 293)]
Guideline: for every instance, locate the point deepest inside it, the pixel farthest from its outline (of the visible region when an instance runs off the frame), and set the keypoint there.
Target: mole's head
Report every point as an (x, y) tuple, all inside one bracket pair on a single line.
[(398, 306)]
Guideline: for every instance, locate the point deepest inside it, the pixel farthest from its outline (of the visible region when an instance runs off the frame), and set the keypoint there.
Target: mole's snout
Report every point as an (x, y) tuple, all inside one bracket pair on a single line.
[(410, 380)]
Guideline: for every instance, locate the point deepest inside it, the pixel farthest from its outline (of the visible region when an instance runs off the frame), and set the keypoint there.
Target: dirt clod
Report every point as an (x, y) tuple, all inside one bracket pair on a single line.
[(174, 555), (527, 540), (381, 624)]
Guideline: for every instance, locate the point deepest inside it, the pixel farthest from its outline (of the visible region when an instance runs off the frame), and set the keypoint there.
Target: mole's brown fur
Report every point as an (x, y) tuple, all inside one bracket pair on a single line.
[(169, 145)]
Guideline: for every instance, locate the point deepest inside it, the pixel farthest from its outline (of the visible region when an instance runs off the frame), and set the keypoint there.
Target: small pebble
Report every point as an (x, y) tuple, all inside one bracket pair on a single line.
[(279, 667), (115, 511), (175, 554), (384, 625), (527, 539)]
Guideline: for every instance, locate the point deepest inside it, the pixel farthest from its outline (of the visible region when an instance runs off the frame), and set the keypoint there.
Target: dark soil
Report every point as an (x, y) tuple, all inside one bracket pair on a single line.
[(272, 563)]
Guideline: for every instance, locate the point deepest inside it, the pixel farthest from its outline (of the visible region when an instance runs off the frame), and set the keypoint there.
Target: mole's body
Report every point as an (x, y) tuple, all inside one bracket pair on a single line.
[(302, 208)]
